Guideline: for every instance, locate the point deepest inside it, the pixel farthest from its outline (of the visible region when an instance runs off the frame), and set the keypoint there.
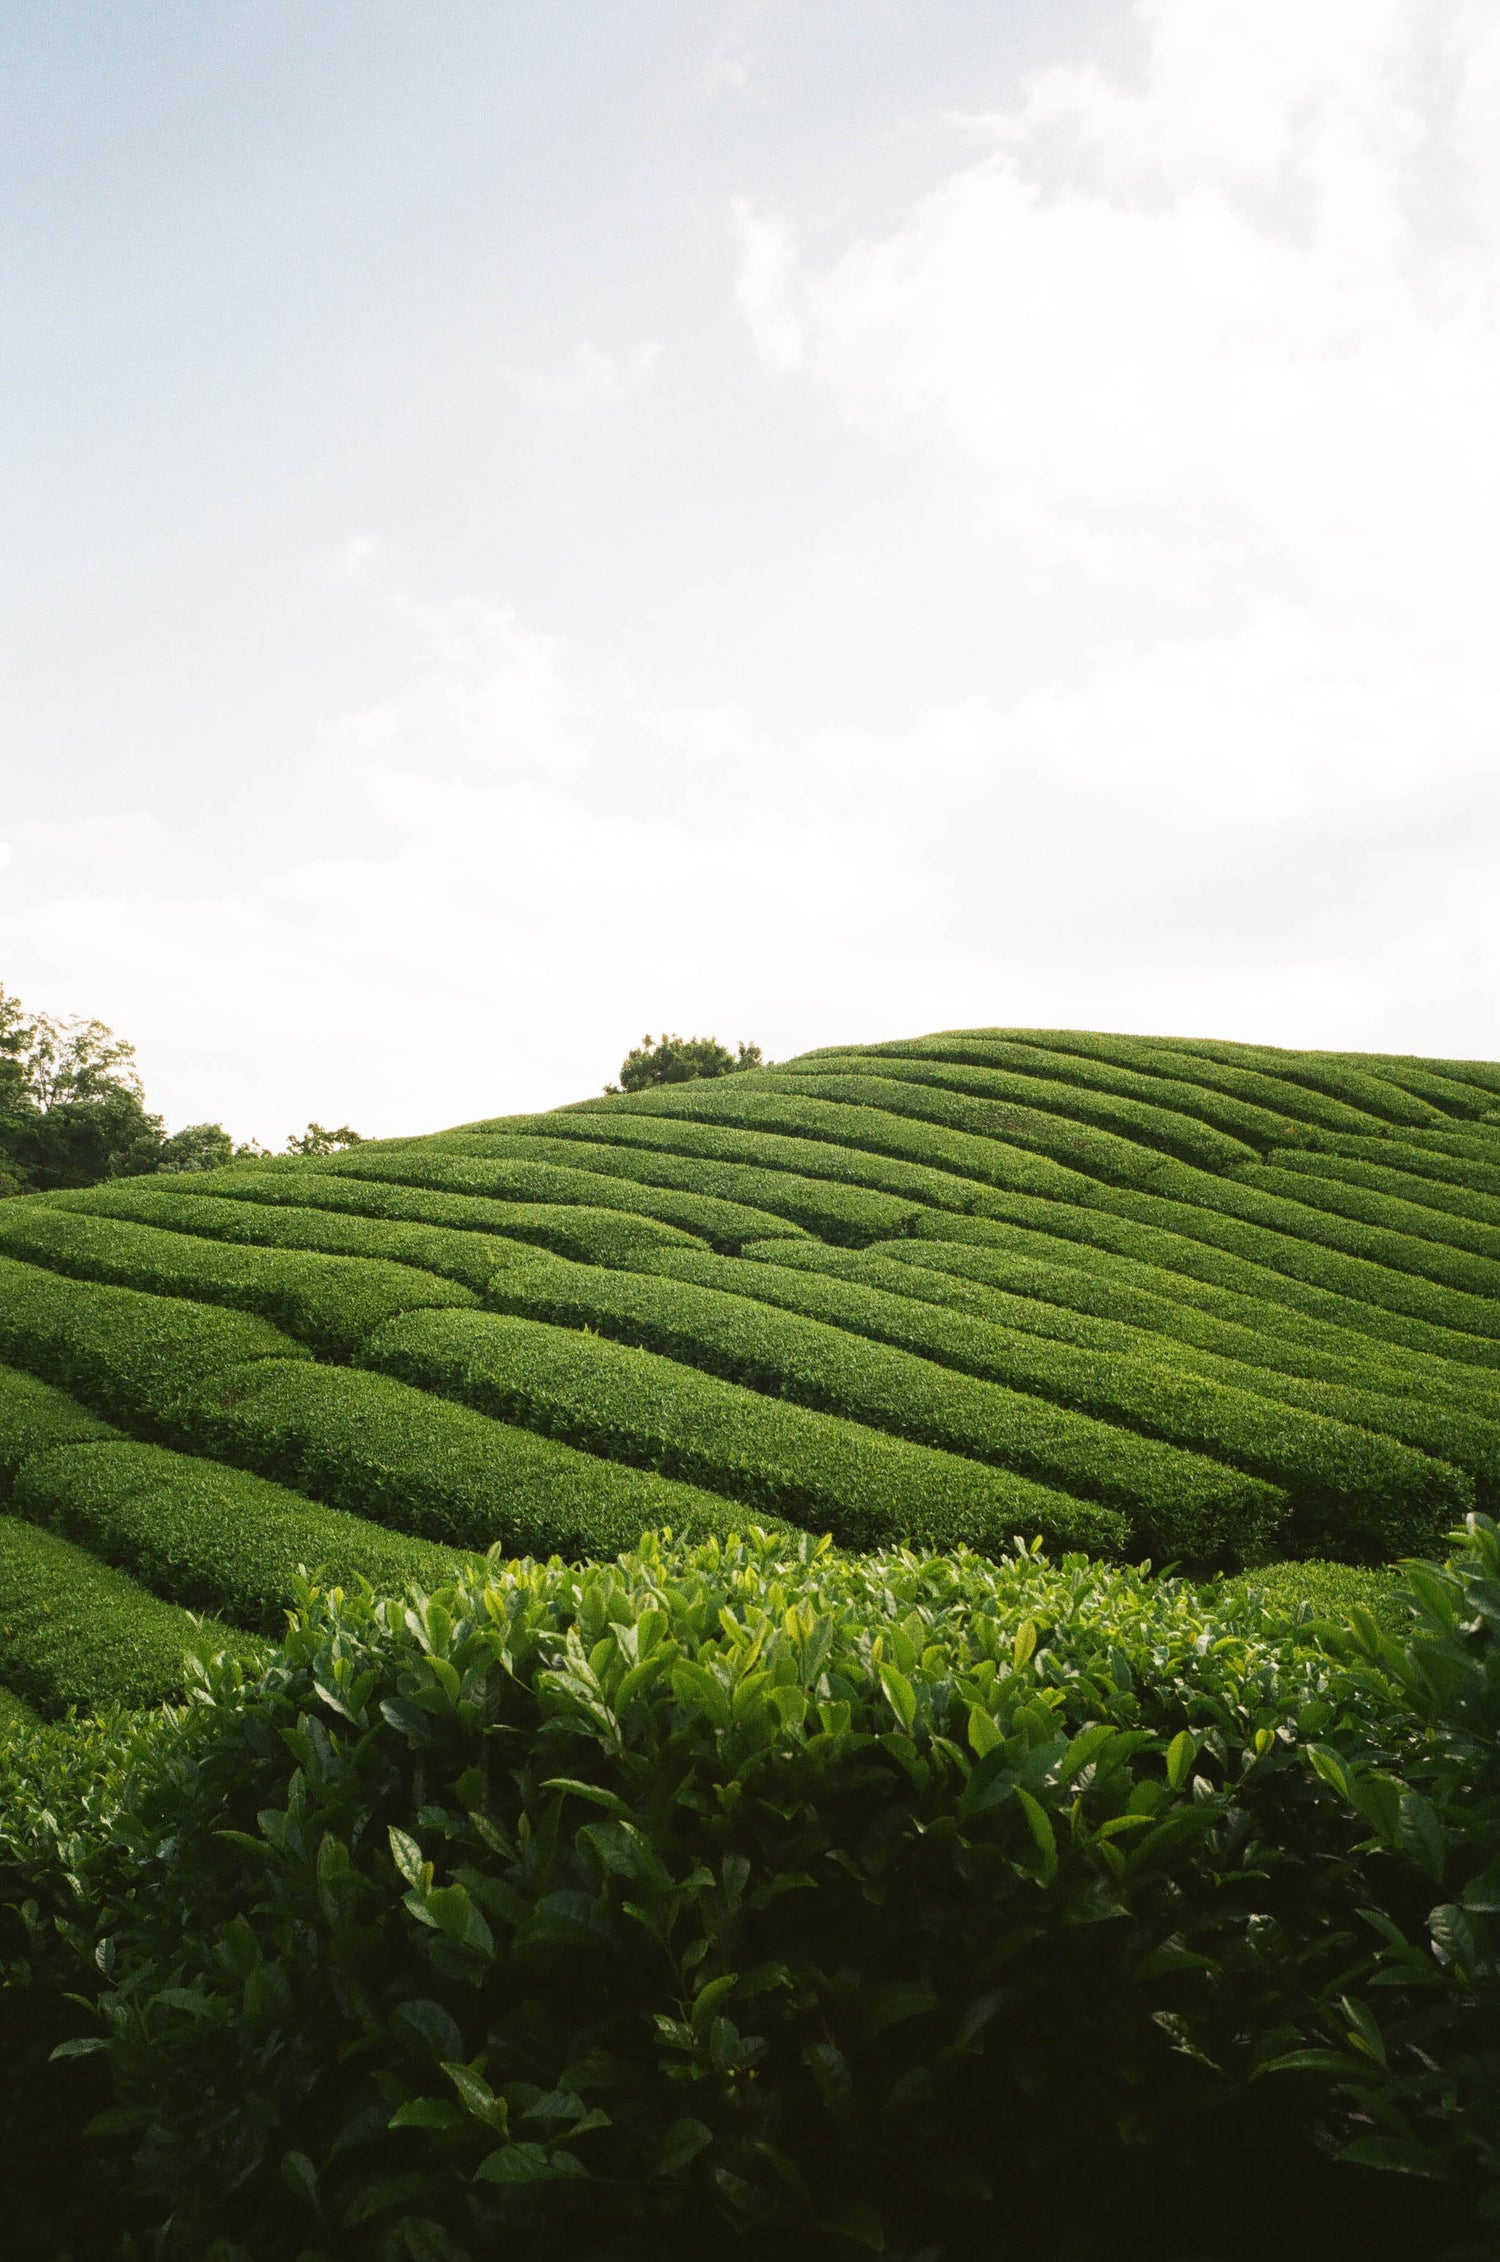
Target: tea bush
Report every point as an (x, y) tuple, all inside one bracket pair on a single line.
[(1340, 1454), (843, 1213), (751, 1899), (35, 1415), (724, 1224), (1380, 1205), (331, 1303), (1080, 1417), (810, 1467), (74, 1631), (209, 1537), (451, 1240), (1153, 1122)]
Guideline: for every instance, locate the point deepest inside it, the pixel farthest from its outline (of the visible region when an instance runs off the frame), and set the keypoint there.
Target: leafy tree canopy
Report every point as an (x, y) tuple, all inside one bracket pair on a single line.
[(679, 1060), (316, 1140), (72, 1110)]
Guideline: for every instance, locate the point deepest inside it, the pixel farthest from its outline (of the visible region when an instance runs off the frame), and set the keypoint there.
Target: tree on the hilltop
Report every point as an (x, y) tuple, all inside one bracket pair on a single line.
[(680, 1060), (315, 1140)]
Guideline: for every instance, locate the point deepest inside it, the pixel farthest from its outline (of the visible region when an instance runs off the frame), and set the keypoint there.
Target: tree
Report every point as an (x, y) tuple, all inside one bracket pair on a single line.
[(680, 1060), (315, 1140), (71, 1106), (199, 1146)]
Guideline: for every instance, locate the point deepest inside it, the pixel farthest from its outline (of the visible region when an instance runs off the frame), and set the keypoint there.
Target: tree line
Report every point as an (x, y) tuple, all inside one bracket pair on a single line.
[(73, 1110)]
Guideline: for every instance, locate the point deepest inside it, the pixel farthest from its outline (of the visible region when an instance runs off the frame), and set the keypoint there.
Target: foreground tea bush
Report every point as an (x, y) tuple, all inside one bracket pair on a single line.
[(753, 1899)]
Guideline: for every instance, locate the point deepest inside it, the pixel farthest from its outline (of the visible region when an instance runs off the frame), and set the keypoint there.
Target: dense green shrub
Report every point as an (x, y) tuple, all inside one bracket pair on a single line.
[(35, 1415), (714, 1317), (1354, 1081), (75, 1632), (1078, 1146), (210, 1537), (1084, 1295), (1390, 1269), (16, 1716), (1168, 1247), (1154, 1056), (746, 1101), (839, 1212), (405, 1457), (1321, 1590), (559, 1134), (1401, 1171), (757, 1901), (442, 1233), (1353, 1488), (331, 1303), (144, 1361), (1436, 1243), (1385, 1198), (724, 1224), (1152, 1123), (1257, 1126), (786, 1460)]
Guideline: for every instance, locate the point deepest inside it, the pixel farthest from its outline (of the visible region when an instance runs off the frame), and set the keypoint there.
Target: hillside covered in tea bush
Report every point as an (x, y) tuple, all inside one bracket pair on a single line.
[(1209, 1304)]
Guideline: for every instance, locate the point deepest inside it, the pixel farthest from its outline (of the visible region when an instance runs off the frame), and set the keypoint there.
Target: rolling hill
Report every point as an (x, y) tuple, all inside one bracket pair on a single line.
[(1207, 1303)]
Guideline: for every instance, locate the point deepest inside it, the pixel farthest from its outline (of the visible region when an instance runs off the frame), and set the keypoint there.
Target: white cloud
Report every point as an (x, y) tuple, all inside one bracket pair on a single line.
[(1196, 349), (589, 378)]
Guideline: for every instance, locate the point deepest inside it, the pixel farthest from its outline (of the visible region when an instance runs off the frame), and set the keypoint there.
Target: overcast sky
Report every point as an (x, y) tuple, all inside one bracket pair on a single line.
[(522, 525)]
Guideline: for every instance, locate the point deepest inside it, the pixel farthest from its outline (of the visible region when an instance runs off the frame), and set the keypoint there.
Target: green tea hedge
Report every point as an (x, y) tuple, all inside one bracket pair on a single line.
[(755, 1900), (34, 1416), (210, 1537), (1349, 1480), (445, 1234), (331, 1303), (724, 1224), (786, 1460), (144, 1361), (73, 1631), (406, 1457), (844, 1213), (1383, 1204), (1151, 1122)]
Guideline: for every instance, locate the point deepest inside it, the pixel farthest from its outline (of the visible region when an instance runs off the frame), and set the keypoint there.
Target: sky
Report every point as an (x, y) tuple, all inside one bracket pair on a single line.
[(526, 526)]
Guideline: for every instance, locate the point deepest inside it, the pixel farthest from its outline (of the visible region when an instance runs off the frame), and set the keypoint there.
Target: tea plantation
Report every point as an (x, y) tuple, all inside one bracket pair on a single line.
[(883, 1861)]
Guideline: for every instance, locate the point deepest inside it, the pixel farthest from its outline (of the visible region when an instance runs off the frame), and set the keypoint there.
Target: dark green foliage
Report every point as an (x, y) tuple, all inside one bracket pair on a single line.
[(75, 1632), (753, 1902), (1355, 1081), (1259, 1127), (1151, 1122), (1365, 1491), (143, 1361), (1323, 1591), (1386, 1198), (318, 1140), (786, 1460), (199, 1146), (16, 1715), (1447, 1288), (1084, 1295), (407, 1458), (842, 1213), (680, 1060), (1434, 1183), (210, 1537), (1295, 1103), (754, 1105), (353, 1220), (1167, 1246), (427, 1163), (1176, 1504), (35, 1416), (331, 1303), (557, 1135), (1078, 1146)]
